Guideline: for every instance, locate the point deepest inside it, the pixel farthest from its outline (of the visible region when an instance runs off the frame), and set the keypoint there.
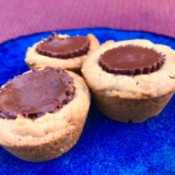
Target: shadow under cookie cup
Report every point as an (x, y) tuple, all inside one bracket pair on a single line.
[(50, 135), (131, 98)]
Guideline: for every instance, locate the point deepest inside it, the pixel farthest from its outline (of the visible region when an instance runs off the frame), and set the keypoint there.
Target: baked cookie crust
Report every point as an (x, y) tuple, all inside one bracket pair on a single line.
[(50, 135), (119, 96), (36, 60)]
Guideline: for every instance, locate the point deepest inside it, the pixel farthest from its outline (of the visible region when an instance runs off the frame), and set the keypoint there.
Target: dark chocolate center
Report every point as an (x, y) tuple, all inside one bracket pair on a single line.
[(68, 47), (35, 93), (131, 60)]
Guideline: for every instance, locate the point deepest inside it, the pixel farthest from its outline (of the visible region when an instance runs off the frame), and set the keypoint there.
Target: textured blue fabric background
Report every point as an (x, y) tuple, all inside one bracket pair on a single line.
[(106, 146)]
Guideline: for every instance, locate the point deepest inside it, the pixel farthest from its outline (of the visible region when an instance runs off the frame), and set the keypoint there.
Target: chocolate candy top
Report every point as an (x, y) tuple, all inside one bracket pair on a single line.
[(36, 93), (131, 60), (65, 48)]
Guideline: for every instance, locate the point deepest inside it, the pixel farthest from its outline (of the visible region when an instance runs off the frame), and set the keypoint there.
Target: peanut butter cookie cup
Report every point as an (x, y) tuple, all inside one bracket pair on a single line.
[(61, 51), (42, 113), (131, 80)]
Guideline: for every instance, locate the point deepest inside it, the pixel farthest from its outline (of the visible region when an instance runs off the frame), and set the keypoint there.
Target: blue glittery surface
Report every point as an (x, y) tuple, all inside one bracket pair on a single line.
[(106, 146)]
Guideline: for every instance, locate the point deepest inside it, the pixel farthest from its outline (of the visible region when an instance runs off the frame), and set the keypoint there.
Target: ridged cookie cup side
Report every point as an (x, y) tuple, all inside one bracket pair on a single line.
[(130, 110), (131, 98), (35, 60), (50, 135), (47, 151)]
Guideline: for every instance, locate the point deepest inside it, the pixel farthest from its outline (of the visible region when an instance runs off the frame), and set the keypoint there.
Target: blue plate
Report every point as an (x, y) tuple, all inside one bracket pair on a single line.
[(106, 146)]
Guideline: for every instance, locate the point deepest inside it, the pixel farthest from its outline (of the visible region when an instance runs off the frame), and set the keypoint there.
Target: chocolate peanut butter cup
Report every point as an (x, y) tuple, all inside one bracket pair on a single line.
[(65, 48), (36, 93), (131, 60)]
